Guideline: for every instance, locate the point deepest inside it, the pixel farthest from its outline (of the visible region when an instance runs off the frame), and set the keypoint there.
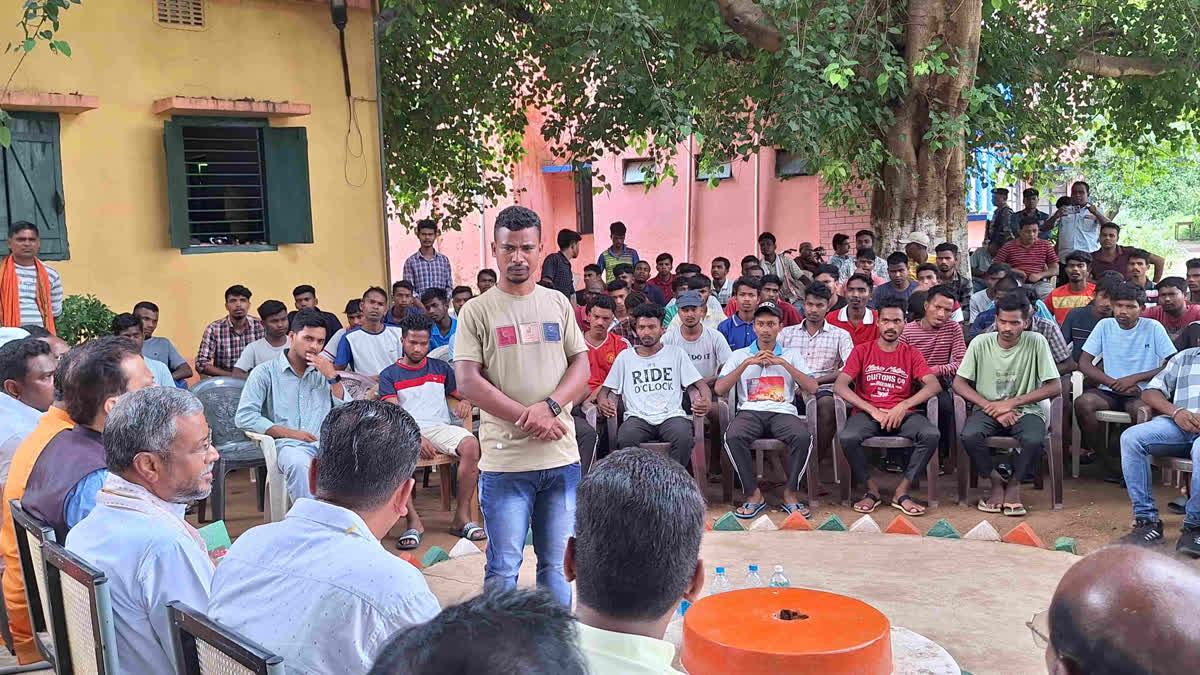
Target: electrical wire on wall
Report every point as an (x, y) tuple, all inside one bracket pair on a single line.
[(338, 10)]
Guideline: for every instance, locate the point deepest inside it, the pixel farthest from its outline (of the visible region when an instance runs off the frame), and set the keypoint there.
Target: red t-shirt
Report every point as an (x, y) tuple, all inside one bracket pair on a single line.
[(866, 331), (664, 286), (882, 378), (1174, 326), (581, 318), (601, 358)]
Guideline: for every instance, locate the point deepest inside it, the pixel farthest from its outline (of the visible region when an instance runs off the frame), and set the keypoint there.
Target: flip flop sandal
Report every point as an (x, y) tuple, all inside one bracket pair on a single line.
[(469, 532), (799, 506), (409, 540), (757, 506), (875, 501), (1014, 510), (987, 508), (1178, 505), (898, 503)]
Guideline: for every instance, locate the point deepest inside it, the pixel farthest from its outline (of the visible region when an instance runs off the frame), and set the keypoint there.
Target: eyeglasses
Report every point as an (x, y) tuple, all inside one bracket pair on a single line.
[(1039, 626)]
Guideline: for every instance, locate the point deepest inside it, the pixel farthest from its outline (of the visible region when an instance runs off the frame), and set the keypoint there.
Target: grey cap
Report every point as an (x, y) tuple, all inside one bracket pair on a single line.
[(689, 299)]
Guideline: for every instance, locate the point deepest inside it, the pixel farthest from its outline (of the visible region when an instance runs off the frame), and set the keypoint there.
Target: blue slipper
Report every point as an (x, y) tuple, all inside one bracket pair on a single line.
[(758, 508), (799, 506)]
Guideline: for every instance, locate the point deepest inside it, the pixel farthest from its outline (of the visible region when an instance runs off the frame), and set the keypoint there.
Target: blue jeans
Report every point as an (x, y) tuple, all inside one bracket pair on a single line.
[(510, 501), (1159, 436)]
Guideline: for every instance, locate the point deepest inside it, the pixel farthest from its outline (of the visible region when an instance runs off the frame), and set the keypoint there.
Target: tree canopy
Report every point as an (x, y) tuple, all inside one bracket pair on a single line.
[(861, 88)]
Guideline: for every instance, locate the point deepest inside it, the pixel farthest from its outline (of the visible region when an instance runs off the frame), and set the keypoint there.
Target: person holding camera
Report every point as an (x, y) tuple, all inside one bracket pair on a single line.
[(1078, 223)]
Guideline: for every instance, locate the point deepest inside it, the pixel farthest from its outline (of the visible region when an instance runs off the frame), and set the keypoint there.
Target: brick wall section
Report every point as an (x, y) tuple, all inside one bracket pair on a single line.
[(834, 220)]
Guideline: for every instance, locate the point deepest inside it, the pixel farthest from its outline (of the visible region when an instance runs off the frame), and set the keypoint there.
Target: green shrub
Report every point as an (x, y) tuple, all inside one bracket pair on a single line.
[(1156, 236), (84, 317)]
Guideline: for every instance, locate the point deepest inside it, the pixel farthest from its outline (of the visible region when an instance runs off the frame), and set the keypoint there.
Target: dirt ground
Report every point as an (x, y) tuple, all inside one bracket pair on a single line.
[(1095, 513)]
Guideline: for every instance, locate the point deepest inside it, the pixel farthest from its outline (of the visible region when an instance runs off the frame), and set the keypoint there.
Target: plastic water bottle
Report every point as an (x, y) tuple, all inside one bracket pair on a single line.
[(720, 583), (779, 579), (753, 580), (674, 632)]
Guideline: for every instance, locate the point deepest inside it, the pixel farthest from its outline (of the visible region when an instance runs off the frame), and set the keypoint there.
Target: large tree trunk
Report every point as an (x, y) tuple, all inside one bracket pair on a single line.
[(926, 190)]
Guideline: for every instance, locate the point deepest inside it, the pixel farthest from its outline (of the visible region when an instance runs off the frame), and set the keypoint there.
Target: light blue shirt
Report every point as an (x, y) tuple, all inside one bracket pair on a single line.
[(160, 371), (436, 339), (148, 564), (82, 498), (275, 394), (16, 421), (1126, 352), (318, 589)]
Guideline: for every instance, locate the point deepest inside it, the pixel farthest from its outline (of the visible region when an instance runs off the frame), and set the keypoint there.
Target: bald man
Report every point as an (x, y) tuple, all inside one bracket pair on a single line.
[(1125, 610)]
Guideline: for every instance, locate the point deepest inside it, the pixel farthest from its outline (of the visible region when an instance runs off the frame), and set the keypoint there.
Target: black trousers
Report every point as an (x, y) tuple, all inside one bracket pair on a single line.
[(752, 425), (1030, 430), (678, 431), (586, 438), (861, 426)]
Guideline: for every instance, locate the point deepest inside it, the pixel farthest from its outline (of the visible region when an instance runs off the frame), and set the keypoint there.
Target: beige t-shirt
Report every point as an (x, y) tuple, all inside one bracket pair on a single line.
[(523, 343)]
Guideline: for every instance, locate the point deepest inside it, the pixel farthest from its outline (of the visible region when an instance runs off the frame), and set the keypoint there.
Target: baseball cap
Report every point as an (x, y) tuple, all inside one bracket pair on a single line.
[(688, 299), (769, 307), (916, 238)]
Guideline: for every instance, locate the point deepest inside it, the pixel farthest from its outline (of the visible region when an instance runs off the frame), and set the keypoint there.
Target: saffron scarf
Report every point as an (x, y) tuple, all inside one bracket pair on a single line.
[(119, 493), (10, 295)]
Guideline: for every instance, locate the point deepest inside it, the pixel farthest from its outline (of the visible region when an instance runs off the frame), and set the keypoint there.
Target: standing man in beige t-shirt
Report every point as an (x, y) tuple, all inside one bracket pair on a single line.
[(520, 357)]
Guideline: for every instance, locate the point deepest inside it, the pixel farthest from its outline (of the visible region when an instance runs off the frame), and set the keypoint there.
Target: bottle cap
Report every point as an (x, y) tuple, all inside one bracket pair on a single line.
[(779, 568), (754, 568), (720, 570)]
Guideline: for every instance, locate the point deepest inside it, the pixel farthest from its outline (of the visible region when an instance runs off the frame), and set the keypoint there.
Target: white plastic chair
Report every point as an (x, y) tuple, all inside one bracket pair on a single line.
[(277, 498)]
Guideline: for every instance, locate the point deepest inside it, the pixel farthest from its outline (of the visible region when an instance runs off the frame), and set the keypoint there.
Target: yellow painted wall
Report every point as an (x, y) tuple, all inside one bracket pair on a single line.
[(114, 176)]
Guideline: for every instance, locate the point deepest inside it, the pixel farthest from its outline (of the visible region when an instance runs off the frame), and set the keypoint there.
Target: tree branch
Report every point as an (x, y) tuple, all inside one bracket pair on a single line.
[(1105, 65), (748, 20)]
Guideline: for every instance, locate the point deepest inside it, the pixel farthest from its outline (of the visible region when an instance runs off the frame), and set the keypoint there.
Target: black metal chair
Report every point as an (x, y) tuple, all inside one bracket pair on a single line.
[(205, 647), (31, 532), (81, 615), (220, 396)]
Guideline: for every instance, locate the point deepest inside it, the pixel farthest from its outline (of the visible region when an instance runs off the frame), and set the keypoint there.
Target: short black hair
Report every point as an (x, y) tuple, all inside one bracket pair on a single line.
[(353, 306), (655, 504), (1193, 263), (1176, 282), (869, 233), (1009, 281), (747, 259), (498, 632), (1084, 184), (916, 305), (679, 283), (1079, 256), (689, 268), (368, 449), (892, 302), (943, 290), (308, 318), (434, 293), (602, 301), (664, 256), (698, 282), (927, 267), (403, 283), (1128, 291), (460, 289), (36, 331), (96, 376), (866, 279), (746, 281), (1111, 226), (831, 270), (1029, 192), (302, 289), (616, 285), (375, 289), (15, 356), (771, 279), (237, 291), (648, 310), (1016, 301), (635, 300), (725, 261), (1108, 281), (19, 225), (486, 272), (897, 258), (999, 268), (1062, 201), (147, 305), (426, 224), (617, 228), (417, 322), (946, 246), (566, 238), (840, 238), (516, 218), (590, 267), (819, 290), (622, 268), (767, 236), (270, 308), (1140, 253), (866, 254), (123, 322)]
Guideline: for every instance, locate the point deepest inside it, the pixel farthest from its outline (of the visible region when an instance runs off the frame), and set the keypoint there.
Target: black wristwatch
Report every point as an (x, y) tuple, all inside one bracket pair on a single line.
[(333, 380), (554, 406)]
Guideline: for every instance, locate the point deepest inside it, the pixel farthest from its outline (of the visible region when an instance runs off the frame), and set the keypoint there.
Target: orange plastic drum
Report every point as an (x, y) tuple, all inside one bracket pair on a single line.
[(743, 632)]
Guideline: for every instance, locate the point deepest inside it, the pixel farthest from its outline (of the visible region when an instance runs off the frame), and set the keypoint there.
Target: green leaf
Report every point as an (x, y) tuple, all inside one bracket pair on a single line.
[(63, 47), (5, 136), (881, 83), (28, 45)]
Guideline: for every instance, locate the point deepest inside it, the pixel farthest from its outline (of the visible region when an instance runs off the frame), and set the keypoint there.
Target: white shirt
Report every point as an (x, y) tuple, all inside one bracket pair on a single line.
[(331, 345), (769, 389), (611, 653), (369, 353), (260, 351), (318, 589), (1078, 230), (652, 387), (147, 566), (726, 293), (16, 421), (709, 351)]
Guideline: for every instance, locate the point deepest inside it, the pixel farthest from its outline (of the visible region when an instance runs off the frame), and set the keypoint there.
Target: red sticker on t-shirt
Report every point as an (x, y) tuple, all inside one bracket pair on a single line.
[(506, 336)]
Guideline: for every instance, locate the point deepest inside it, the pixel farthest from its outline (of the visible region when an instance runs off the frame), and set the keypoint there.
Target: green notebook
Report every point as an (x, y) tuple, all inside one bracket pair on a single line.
[(216, 537)]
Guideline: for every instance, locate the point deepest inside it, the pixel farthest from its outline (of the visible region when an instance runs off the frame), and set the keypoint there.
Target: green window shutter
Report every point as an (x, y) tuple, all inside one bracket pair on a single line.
[(289, 207), (177, 189), (32, 182)]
